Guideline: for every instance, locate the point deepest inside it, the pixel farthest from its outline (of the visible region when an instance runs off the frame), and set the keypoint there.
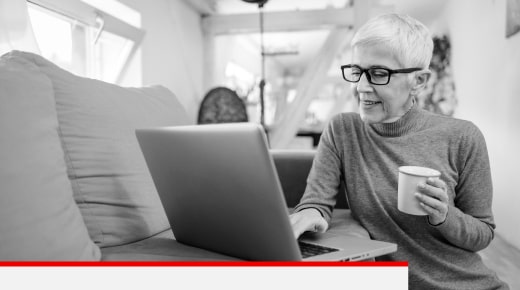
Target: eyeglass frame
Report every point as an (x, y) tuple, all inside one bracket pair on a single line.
[(369, 77)]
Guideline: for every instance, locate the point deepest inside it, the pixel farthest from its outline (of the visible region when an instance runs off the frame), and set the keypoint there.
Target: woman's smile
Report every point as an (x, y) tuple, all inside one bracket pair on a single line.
[(370, 104)]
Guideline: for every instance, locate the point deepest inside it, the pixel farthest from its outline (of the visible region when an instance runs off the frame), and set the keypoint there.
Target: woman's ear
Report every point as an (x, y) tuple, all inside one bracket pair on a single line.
[(420, 80)]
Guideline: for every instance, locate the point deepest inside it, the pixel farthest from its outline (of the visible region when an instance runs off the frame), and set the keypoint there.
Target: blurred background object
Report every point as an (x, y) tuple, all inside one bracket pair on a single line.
[(222, 105)]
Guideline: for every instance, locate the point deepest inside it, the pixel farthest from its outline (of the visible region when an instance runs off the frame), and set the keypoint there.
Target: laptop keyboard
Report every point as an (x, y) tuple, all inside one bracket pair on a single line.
[(309, 250)]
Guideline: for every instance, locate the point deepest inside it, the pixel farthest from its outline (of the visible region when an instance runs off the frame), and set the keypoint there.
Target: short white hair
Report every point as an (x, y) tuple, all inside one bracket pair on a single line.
[(407, 38)]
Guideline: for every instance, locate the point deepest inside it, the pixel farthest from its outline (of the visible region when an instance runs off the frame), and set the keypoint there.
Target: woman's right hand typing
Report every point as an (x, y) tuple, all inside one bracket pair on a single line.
[(309, 219)]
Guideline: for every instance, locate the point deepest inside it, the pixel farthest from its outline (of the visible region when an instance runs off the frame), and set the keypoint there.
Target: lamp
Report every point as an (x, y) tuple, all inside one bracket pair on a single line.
[(262, 53)]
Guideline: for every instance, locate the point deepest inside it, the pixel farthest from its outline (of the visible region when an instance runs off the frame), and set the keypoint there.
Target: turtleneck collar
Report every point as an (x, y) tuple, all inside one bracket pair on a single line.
[(407, 123)]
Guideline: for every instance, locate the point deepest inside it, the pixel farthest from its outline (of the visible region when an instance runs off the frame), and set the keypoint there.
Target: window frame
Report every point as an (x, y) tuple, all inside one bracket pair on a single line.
[(93, 17)]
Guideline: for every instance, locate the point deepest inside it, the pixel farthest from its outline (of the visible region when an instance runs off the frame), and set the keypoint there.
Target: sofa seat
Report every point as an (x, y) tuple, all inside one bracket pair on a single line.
[(163, 247)]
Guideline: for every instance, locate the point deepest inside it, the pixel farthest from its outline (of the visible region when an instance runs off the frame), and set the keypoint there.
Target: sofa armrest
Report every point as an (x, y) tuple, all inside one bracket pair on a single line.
[(293, 167)]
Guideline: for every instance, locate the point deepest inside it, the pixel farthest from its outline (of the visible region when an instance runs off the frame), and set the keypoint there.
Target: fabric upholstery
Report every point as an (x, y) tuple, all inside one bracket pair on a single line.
[(39, 220), (110, 179)]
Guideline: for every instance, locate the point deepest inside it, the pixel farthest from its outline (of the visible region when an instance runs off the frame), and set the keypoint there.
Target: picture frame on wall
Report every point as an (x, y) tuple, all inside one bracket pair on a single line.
[(512, 17)]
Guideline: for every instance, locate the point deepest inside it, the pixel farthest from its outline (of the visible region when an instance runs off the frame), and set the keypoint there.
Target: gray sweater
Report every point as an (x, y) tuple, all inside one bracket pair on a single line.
[(367, 158)]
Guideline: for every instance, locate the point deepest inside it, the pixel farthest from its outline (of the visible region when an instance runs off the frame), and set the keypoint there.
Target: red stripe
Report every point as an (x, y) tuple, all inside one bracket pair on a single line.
[(199, 264)]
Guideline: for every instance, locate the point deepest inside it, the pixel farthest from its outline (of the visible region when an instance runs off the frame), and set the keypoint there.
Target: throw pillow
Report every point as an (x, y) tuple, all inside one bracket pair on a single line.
[(39, 220), (111, 182)]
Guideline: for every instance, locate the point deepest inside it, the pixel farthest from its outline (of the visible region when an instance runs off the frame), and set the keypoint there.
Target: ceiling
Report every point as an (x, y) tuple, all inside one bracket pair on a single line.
[(424, 10), (289, 49), (296, 48), (238, 6)]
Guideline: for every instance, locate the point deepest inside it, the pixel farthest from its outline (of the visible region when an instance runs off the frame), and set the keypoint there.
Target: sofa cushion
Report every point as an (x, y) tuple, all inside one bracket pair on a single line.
[(38, 217), (110, 179)]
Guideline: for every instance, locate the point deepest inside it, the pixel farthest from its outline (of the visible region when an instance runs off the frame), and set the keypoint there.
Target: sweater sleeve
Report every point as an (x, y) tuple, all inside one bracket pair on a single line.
[(324, 177), (470, 223)]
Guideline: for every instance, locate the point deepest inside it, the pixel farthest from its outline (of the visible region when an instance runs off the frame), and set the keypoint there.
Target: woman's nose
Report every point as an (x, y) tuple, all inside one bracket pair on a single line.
[(363, 85)]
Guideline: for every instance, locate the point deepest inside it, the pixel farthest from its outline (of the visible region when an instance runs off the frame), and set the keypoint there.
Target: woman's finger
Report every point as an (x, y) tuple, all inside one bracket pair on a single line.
[(435, 189)]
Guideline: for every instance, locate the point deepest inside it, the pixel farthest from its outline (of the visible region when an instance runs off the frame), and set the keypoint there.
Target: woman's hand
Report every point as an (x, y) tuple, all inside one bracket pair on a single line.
[(309, 219), (433, 198)]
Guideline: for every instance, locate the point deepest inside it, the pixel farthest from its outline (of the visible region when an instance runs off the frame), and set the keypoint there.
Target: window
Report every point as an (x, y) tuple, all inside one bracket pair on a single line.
[(86, 40)]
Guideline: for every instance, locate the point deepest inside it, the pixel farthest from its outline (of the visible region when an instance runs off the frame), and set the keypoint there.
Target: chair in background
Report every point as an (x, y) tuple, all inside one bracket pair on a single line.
[(222, 105)]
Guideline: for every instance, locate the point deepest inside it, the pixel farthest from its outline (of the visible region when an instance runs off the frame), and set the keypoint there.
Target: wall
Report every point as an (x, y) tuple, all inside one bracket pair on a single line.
[(172, 49), (487, 75)]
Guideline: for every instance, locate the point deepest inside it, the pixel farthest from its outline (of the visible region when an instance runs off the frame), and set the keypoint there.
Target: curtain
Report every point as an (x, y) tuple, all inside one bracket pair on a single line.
[(15, 27)]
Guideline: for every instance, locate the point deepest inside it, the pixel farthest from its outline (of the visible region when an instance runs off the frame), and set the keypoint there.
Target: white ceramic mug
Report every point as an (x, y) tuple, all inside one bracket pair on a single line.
[(409, 179)]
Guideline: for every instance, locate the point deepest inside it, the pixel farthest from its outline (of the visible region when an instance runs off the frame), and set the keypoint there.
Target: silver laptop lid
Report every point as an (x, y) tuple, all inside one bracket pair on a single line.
[(220, 189)]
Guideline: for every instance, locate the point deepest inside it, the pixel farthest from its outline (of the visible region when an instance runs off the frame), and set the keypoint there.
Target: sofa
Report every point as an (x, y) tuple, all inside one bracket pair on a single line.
[(74, 185)]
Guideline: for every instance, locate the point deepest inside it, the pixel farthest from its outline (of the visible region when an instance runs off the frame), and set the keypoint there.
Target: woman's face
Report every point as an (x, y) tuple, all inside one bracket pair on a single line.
[(381, 103)]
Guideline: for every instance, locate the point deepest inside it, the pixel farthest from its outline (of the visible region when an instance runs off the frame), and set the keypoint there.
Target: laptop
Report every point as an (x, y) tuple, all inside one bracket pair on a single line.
[(220, 191)]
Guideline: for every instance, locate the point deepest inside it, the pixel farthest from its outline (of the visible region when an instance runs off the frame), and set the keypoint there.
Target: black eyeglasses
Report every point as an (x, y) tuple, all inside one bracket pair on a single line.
[(375, 75)]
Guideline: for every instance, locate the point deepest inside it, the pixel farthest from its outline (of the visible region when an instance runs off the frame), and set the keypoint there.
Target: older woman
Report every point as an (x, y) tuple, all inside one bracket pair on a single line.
[(390, 58)]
